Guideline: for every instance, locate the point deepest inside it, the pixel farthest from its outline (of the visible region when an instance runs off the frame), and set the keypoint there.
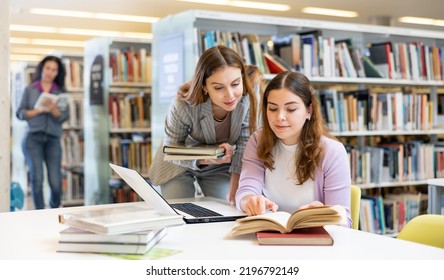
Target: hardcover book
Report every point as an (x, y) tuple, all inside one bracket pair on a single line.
[(191, 157), (72, 234), (193, 152), (193, 149), (284, 222), (303, 236), (113, 246), (118, 219)]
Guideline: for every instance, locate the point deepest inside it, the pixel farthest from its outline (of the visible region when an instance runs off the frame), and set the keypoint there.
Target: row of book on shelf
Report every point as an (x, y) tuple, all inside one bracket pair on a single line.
[(369, 110), (75, 194), (74, 72), (132, 151), (130, 110), (389, 214), (73, 146), (130, 65), (120, 192), (75, 111), (396, 162), (316, 55)]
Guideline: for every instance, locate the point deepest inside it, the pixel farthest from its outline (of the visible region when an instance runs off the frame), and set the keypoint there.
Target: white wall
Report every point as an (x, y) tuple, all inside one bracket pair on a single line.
[(5, 105)]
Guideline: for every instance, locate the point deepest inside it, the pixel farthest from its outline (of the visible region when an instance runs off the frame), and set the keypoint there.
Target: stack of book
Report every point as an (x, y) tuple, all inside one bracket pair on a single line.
[(193, 152), (125, 228), (81, 241)]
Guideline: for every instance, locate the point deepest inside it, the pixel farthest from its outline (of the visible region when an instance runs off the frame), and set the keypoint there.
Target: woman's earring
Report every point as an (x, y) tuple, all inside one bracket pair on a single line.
[(308, 118)]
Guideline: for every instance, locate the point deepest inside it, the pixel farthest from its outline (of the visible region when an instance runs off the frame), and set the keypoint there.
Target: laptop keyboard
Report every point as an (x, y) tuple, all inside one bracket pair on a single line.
[(195, 210)]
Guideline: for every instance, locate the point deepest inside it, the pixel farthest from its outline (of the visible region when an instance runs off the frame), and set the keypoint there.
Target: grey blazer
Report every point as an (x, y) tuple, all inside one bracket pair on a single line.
[(187, 123)]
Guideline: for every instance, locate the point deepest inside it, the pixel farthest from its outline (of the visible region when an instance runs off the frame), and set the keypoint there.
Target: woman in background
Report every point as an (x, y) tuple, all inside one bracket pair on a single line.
[(293, 162), (218, 106), (42, 140)]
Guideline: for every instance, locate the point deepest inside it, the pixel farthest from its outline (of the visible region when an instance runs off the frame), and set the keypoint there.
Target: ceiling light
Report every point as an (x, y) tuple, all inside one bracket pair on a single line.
[(31, 28), (24, 57), (329, 12), (82, 32), (82, 14), (47, 42), (243, 4), (23, 50), (424, 21)]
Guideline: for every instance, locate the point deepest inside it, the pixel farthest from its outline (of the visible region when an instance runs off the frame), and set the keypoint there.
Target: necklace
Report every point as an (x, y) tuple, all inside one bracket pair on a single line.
[(221, 119)]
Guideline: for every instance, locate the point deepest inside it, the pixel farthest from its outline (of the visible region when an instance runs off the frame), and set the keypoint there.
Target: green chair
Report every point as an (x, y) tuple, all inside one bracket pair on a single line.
[(426, 229), (355, 205)]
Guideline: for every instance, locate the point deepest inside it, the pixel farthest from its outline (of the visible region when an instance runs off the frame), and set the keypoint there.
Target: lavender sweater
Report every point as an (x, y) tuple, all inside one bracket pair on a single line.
[(332, 181)]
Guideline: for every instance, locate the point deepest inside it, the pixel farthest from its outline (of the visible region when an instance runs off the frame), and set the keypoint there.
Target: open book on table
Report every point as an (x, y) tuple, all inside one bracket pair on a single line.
[(60, 99), (284, 222)]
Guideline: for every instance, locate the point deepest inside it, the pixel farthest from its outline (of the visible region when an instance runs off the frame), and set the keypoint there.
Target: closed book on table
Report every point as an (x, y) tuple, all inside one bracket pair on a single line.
[(315, 236), (72, 234), (119, 218), (113, 247)]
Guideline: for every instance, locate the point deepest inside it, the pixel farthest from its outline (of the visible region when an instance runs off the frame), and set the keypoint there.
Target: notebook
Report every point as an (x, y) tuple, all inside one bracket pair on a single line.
[(205, 210)]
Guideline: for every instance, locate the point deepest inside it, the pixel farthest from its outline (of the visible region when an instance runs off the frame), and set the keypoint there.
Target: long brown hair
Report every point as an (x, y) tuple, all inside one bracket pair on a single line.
[(210, 61), (310, 151)]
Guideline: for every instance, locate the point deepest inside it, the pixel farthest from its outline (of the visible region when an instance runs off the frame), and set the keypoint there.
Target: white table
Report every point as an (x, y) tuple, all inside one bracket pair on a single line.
[(34, 235)]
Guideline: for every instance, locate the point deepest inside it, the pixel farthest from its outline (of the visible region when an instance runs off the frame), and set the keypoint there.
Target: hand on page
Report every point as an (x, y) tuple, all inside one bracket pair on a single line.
[(258, 204)]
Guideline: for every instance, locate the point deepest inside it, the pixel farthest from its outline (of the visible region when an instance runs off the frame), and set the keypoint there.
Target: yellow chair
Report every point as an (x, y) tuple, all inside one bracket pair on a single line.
[(426, 229), (355, 205)]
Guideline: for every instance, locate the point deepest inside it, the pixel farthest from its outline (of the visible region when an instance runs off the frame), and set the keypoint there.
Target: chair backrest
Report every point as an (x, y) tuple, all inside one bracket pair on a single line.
[(355, 205), (426, 229)]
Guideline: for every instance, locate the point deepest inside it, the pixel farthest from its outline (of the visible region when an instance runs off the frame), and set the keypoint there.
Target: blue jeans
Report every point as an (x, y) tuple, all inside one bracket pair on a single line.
[(214, 180), (40, 147)]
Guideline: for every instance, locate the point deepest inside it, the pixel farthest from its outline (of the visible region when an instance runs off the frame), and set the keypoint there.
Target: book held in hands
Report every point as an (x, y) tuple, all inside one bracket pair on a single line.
[(193, 152), (76, 240), (119, 218), (60, 99), (284, 222)]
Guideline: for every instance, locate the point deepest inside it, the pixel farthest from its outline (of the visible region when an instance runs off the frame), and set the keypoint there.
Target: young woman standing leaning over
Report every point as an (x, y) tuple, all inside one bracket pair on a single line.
[(218, 106), (293, 162)]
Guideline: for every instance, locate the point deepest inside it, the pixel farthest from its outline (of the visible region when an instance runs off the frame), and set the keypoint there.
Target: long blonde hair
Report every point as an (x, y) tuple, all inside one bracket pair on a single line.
[(209, 62)]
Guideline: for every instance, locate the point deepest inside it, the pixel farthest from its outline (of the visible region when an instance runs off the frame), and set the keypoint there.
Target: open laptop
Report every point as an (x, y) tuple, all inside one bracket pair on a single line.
[(205, 210)]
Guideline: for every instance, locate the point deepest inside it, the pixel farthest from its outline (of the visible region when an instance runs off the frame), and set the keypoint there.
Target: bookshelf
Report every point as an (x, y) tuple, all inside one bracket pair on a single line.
[(319, 44), (117, 102), (72, 139)]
